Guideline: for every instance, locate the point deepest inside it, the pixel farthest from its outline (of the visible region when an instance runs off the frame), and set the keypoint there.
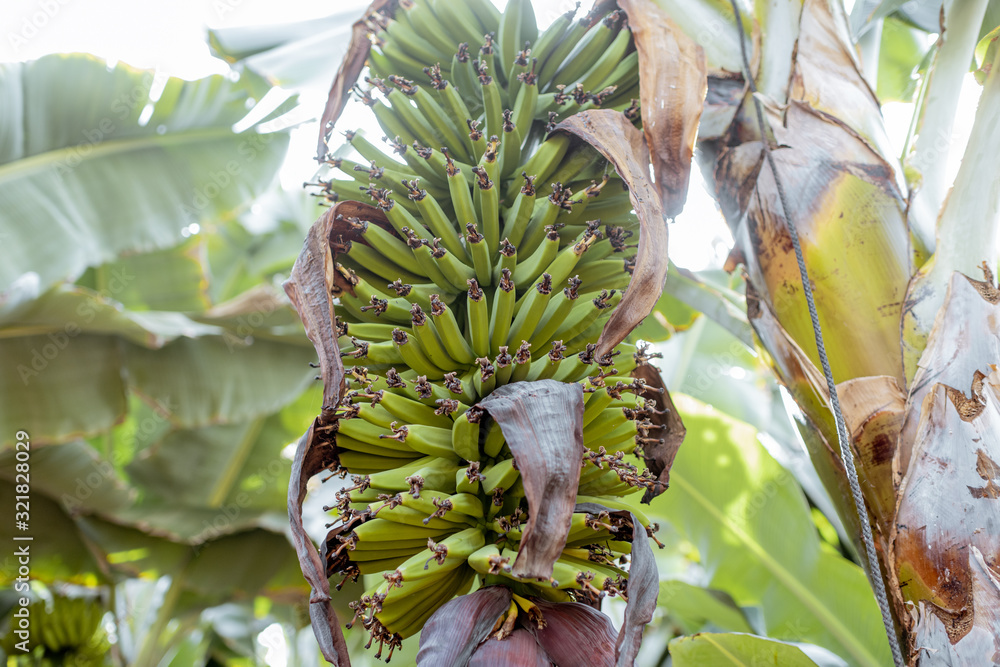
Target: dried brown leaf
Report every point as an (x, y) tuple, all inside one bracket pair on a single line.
[(347, 74), (660, 457), (643, 589), (310, 458), (542, 423), (614, 136), (643, 585), (309, 288), (850, 218), (672, 86), (827, 75)]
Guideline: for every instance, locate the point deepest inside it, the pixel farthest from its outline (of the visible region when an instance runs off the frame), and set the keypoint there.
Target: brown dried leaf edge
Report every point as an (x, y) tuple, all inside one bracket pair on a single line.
[(542, 422), (673, 82), (614, 136), (310, 287)]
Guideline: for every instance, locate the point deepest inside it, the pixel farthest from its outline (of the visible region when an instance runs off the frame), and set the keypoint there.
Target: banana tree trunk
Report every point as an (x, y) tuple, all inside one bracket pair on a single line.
[(924, 435)]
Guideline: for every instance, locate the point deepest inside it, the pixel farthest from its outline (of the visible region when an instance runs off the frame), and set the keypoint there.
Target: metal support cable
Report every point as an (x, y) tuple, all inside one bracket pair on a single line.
[(847, 457)]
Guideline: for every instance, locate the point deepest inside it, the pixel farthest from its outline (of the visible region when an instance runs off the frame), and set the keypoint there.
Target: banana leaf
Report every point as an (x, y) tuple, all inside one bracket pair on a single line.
[(726, 650), (751, 527), (292, 55), (99, 180)]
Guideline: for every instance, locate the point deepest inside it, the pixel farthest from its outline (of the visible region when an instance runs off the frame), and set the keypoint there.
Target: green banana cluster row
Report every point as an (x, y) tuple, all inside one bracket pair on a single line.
[(67, 627), (436, 503), (499, 255), (573, 65)]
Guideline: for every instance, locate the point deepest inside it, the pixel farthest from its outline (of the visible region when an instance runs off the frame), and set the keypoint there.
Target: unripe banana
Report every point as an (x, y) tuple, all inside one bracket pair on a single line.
[(474, 282)]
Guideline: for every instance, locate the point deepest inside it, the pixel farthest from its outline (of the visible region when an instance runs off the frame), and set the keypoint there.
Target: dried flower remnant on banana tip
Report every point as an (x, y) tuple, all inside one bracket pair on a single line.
[(490, 265)]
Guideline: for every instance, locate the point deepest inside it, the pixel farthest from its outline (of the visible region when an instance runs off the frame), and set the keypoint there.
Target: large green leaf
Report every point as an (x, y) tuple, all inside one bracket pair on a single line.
[(85, 175), (66, 311), (735, 650), (695, 608), (57, 550), (174, 279), (58, 387), (290, 54), (707, 363), (237, 466), (900, 53), (211, 380), (752, 529)]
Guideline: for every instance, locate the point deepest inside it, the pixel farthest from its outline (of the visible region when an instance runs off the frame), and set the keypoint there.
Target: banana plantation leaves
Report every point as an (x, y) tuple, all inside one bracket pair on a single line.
[(66, 311), (752, 529), (688, 292), (542, 423), (735, 650), (978, 646), (68, 383), (74, 474), (614, 136), (57, 552), (290, 54), (209, 380), (236, 465), (672, 85), (670, 316), (901, 51), (84, 482), (223, 566), (94, 181), (58, 388), (694, 608), (209, 574), (175, 279)]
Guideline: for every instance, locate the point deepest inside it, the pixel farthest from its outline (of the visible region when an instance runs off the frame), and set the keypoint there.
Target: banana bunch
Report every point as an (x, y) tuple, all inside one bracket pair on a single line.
[(497, 256), (69, 627), (574, 64)]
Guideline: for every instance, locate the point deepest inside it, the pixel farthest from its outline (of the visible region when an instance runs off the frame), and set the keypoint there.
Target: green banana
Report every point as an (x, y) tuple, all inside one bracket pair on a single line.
[(462, 214)]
